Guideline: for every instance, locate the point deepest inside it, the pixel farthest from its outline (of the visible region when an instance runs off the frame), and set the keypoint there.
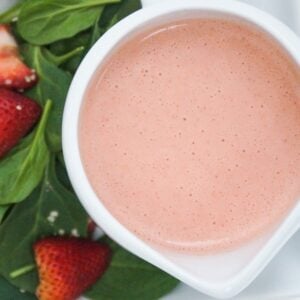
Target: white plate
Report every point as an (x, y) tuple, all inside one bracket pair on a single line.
[(281, 279)]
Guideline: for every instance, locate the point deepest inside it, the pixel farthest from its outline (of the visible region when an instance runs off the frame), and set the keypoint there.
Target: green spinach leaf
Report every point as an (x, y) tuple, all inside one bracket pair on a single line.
[(130, 278), (53, 84), (51, 209), (126, 8), (22, 170), (45, 21), (10, 292), (111, 14), (62, 172), (61, 47), (3, 210), (61, 59), (96, 32), (108, 13), (66, 45)]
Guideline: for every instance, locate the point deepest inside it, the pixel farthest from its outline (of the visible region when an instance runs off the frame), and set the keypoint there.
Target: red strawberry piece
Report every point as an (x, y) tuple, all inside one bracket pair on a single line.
[(67, 266), (14, 73), (91, 227), (17, 116)]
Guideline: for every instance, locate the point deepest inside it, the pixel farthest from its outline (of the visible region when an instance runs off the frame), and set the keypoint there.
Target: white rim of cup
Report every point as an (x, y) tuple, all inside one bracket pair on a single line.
[(78, 177)]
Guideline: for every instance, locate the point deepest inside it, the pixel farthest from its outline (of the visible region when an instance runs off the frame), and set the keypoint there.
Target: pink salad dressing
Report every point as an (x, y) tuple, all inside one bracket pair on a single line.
[(190, 134)]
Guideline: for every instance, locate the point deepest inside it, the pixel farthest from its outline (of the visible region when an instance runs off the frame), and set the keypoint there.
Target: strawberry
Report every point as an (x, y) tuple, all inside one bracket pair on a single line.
[(13, 72), (67, 266), (91, 227), (17, 116)]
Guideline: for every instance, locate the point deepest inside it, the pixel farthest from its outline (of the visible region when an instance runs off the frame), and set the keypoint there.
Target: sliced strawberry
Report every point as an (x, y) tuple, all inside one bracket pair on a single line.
[(17, 116), (14, 73), (91, 227), (67, 266)]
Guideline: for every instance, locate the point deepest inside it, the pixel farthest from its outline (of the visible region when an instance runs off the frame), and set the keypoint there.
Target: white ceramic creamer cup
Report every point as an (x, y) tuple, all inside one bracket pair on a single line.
[(222, 275)]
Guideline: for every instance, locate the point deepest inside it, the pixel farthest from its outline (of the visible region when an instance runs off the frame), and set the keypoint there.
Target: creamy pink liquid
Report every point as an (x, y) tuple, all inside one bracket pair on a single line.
[(190, 134)]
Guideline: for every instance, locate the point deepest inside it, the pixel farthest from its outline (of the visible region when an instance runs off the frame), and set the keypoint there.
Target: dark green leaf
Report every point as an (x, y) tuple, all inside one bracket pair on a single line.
[(62, 173), (96, 32), (3, 210), (126, 8), (45, 21), (130, 278), (53, 84), (82, 39), (112, 13), (22, 170), (61, 59), (72, 65), (10, 292), (30, 220), (63, 46), (60, 157), (108, 13)]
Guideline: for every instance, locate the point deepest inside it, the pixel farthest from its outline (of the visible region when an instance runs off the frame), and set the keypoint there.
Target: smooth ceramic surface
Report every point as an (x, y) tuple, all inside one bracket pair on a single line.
[(281, 279), (222, 275), (285, 10)]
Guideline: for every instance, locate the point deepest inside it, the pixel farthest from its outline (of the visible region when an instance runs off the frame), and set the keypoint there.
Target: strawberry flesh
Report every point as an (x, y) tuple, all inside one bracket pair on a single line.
[(14, 73), (67, 266), (91, 227), (18, 114)]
